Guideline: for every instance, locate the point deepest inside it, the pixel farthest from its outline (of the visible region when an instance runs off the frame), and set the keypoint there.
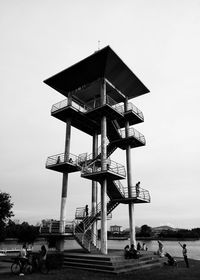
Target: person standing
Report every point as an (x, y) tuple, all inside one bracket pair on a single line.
[(23, 259), (137, 189), (160, 249), (86, 210), (185, 254)]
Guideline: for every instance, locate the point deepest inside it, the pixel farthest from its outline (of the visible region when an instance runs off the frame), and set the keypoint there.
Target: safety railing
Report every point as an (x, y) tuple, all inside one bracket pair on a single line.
[(131, 107), (139, 193), (81, 212), (96, 103), (111, 166), (133, 132), (86, 238), (84, 158), (120, 187), (65, 103), (56, 227), (62, 158)]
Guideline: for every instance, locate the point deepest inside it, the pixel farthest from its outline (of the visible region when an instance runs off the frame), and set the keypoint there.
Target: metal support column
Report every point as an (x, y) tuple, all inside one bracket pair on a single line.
[(104, 249), (94, 188), (60, 244), (129, 183)]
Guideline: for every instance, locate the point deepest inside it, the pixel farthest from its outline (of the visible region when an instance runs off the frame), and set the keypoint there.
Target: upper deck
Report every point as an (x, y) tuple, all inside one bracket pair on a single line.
[(104, 63)]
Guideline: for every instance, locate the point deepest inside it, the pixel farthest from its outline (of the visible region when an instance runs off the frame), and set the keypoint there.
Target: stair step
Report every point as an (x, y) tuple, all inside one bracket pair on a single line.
[(88, 266), (146, 266), (91, 257), (87, 261), (110, 269)]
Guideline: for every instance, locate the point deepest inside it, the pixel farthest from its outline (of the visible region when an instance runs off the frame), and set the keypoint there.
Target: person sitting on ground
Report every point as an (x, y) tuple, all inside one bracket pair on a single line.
[(133, 252), (144, 246), (138, 246), (126, 252), (170, 260)]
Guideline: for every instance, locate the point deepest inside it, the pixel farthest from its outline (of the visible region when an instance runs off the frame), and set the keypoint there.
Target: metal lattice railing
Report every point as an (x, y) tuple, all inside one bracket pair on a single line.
[(133, 132), (65, 103), (56, 227), (111, 166), (62, 158), (137, 193)]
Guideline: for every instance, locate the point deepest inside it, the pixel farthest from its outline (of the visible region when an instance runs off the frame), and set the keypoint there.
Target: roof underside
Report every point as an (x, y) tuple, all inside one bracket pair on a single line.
[(102, 64)]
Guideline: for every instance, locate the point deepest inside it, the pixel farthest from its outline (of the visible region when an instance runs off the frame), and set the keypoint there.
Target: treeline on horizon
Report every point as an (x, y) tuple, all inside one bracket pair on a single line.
[(25, 232), (29, 233), (147, 232)]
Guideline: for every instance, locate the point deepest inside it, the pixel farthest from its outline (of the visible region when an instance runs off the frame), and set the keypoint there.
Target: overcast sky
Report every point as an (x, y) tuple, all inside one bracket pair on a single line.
[(159, 40)]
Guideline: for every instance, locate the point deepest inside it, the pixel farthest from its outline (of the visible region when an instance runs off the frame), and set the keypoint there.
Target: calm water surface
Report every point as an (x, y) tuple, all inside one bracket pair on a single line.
[(172, 247)]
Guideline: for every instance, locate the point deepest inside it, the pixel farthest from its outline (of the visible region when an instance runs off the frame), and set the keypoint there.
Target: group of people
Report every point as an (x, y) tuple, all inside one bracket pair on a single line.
[(24, 257), (171, 261), (142, 247), (131, 252)]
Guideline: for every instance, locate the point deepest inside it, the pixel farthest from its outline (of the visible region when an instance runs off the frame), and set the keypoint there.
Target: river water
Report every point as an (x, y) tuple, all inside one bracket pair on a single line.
[(171, 247)]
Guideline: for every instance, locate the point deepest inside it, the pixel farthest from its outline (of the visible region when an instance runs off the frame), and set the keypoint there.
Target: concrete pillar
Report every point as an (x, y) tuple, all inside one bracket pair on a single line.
[(104, 249), (60, 243), (130, 184), (65, 178), (94, 187)]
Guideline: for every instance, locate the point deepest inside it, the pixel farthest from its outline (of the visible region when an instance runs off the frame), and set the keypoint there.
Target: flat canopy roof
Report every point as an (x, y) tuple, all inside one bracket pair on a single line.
[(104, 63)]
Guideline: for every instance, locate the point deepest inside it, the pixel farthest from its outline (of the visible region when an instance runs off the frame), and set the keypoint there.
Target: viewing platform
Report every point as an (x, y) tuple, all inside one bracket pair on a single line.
[(86, 116), (113, 171), (137, 195), (63, 163), (76, 112), (133, 138)]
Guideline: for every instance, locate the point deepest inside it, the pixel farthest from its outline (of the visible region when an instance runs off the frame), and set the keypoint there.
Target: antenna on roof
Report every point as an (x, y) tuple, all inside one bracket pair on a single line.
[(99, 45)]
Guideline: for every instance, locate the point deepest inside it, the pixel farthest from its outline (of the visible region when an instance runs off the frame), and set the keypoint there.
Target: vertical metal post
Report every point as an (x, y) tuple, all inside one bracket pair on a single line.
[(104, 249), (129, 183)]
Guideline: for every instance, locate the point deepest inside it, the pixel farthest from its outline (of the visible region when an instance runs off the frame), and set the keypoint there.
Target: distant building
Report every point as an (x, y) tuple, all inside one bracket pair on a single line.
[(115, 229)]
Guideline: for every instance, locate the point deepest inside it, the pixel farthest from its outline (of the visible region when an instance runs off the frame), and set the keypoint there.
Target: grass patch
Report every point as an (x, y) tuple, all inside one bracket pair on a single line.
[(160, 273)]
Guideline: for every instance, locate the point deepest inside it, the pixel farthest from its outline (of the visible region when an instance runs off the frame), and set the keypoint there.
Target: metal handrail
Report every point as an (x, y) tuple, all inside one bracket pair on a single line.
[(133, 132), (86, 238), (131, 107), (111, 165), (81, 214), (96, 103), (120, 187), (62, 158), (65, 103), (55, 226), (137, 193)]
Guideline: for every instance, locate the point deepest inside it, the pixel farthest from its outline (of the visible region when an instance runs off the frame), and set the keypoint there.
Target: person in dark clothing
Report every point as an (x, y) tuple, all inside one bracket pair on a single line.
[(133, 252), (185, 254), (126, 252), (86, 210), (138, 246)]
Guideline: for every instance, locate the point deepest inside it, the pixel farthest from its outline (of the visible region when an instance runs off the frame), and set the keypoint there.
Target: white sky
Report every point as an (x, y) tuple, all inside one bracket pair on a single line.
[(160, 43)]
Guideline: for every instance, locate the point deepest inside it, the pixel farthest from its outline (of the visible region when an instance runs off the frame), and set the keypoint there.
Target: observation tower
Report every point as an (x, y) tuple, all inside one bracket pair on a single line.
[(97, 91)]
